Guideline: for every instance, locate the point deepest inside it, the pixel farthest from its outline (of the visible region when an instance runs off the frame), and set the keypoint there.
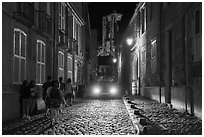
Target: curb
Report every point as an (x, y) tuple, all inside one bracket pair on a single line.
[(135, 121)]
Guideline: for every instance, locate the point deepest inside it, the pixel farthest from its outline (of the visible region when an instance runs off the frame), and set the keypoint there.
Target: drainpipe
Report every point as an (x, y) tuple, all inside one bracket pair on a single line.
[(160, 68), (54, 44), (186, 62), (188, 89)]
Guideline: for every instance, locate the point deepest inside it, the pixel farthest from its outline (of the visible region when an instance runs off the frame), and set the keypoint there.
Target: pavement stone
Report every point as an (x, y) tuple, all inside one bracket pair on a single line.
[(160, 118), (85, 117)]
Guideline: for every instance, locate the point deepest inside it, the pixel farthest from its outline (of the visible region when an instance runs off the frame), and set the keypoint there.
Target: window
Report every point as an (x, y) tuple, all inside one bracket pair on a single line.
[(197, 22), (197, 37), (151, 10), (40, 69), (153, 56), (80, 39), (74, 28), (62, 16), (143, 19), (76, 70), (143, 56), (19, 58), (77, 33), (69, 66), (61, 64), (138, 25)]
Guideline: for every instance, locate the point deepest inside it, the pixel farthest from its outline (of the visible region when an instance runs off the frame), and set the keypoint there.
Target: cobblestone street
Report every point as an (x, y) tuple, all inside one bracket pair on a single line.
[(160, 119), (85, 117)]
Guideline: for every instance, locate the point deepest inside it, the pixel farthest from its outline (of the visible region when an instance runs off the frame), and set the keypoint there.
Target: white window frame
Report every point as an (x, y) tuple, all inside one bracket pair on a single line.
[(61, 66), (143, 18), (76, 70), (79, 38), (62, 16), (74, 28), (41, 62), (153, 55), (69, 71), (20, 57), (143, 56)]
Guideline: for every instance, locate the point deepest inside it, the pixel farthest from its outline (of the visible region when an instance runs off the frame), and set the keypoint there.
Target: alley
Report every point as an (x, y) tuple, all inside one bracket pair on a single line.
[(148, 55), (85, 117)]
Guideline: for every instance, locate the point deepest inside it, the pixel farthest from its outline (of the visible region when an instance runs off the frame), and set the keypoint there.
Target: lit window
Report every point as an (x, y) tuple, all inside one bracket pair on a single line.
[(74, 28), (62, 16), (19, 58), (76, 70), (69, 66), (153, 56), (61, 64), (143, 19), (40, 69), (77, 33), (143, 56)]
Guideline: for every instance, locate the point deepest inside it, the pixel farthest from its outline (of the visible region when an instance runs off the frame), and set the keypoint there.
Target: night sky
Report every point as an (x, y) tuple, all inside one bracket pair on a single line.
[(99, 9)]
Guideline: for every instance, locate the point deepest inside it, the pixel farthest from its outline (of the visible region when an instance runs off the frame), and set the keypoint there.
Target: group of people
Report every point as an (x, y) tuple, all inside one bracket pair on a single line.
[(28, 98), (54, 93)]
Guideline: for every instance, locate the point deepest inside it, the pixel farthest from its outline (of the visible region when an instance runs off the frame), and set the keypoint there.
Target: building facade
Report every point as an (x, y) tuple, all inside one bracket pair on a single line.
[(40, 40), (164, 54)]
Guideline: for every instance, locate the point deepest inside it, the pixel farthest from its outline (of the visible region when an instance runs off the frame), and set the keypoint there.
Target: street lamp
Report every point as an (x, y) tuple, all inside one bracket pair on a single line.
[(114, 60), (129, 41)]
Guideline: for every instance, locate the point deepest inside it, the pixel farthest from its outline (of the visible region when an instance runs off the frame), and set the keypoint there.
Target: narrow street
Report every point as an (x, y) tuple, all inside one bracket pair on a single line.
[(132, 68), (85, 117)]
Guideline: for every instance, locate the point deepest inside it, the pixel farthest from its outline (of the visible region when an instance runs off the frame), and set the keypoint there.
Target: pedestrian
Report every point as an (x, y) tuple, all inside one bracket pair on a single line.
[(69, 92), (62, 88), (55, 98), (33, 97), (25, 99), (45, 87), (61, 84)]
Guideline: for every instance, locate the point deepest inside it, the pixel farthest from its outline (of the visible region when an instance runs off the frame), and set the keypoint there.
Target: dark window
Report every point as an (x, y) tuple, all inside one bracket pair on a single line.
[(143, 21), (197, 21), (138, 24), (150, 10)]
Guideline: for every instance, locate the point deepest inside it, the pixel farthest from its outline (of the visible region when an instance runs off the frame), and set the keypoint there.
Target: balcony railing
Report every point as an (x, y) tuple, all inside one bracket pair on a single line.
[(68, 43), (43, 21), (25, 12)]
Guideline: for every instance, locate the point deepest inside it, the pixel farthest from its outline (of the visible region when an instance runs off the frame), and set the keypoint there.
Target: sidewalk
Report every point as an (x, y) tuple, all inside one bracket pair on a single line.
[(153, 118)]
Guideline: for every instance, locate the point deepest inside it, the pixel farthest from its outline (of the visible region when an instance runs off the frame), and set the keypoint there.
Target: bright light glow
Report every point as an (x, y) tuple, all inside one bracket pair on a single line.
[(114, 60), (113, 90), (96, 90), (129, 41)]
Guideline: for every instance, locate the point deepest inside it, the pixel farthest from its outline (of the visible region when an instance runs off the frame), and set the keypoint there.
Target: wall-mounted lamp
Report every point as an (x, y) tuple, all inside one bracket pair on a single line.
[(129, 41), (114, 60)]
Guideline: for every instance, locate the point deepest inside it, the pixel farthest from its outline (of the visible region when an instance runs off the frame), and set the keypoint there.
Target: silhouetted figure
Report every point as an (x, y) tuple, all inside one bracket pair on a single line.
[(25, 99), (54, 100), (68, 92), (61, 84), (62, 88), (33, 97), (45, 87)]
